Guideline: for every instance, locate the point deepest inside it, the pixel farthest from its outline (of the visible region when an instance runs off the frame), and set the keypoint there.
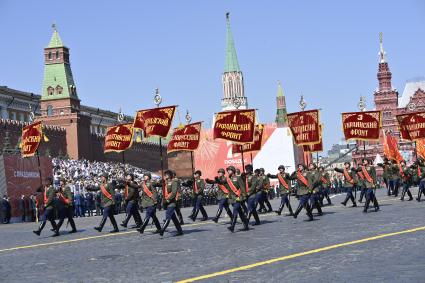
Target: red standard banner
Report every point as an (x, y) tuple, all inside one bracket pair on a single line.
[(250, 147), (361, 125), (155, 122), (236, 126), (118, 138), (412, 125), (317, 147), (305, 127), (186, 138), (31, 138)]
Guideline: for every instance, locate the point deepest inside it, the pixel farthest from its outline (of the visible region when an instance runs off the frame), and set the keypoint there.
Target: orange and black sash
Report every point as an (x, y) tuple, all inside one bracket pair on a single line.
[(147, 191), (233, 188), (223, 188), (348, 177), (367, 176), (45, 197), (166, 194), (282, 181), (195, 187), (401, 172), (126, 191), (419, 172), (360, 175), (302, 178), (105, 192), (63, 199)]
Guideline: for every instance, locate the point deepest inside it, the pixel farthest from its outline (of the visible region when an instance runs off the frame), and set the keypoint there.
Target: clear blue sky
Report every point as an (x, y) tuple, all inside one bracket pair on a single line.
[(122, 50)]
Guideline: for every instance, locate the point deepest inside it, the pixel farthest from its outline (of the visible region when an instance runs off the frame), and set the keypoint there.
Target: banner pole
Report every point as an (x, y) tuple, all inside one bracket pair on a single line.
[(364, 149), (243, 162), (252, 162), (193, 166), (416, 151), (39, 167), (123, 162)]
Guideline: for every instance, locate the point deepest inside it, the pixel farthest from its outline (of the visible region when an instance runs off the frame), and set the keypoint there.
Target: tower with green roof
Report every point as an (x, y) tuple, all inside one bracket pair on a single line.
[(59, 103), (281, 114), (59, 93), (232, 78)]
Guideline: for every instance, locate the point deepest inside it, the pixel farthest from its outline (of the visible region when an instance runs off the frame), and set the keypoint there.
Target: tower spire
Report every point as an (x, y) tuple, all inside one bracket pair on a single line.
[(231, 64), (381, 50), (281, 115), (232, 78)]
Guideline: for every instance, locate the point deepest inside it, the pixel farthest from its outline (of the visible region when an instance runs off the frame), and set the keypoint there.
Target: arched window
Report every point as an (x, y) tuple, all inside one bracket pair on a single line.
[(50, 90), (50, 55), (49, 110), (57, 54), (59, 89)]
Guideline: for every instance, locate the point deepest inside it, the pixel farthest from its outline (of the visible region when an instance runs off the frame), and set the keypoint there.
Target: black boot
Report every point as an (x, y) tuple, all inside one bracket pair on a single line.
[(102, 223), (145, 223), (217, 215), (157, 224), (177, 225), (233, 223), (40, 228), (402, 195), (195, 215), (180, 216), (298, 211), (279, 211), (256, 218), (309, 212), (204, 214), (410, 195), (125, 221), (164, 227), (114, 224), (290, 210)]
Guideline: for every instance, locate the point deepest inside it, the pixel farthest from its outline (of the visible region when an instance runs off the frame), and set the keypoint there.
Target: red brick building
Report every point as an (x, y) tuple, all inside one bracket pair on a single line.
[(388, 100)]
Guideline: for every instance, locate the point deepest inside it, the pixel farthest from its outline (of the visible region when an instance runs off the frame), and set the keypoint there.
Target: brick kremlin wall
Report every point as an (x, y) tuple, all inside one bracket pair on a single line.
[(143, 155)]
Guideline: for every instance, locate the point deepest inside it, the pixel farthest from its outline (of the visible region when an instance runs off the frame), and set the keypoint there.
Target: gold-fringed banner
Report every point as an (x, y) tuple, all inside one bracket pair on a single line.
[(305, 127), (31, 138), (236, 126), (250, 147), (361, 125), (118, 138), (185, 138), (155, 122)]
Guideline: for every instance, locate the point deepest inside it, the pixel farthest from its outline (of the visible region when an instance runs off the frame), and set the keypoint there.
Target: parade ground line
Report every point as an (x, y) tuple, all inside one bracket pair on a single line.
[(296, 255)]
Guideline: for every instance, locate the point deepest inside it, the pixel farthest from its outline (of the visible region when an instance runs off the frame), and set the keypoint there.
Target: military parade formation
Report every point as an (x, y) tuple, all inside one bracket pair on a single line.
[(246, 192)]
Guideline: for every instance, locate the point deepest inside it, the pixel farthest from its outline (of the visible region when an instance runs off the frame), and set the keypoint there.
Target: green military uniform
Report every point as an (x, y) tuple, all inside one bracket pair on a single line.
[(49, 197), (239, 185), (352, 174), (108, 205), (284, 192), (68, 210), (146, 200), (303, 191)]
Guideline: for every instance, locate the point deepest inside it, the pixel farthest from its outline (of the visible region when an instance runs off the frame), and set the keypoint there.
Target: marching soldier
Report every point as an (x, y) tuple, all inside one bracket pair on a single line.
[(265, 187), (235, 185), (251, 185), (107, 202), (315, 195), (170, 198), (178, 199), (305, 181), (131, 195), (149, 196), (67, 209), (285, 189), (198, 186), (361, 185), (420, 177), (369, 174), (49, 194), (349, 182), (222, 195), (387, 174), (406, 180), (394, 181), (326, 184)]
